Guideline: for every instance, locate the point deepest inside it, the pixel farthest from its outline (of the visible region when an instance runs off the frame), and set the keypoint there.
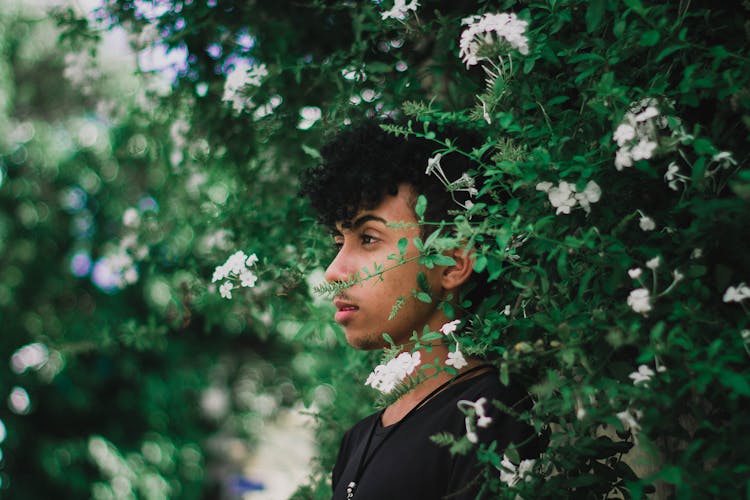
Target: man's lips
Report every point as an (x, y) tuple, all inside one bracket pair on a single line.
[(345, 310)]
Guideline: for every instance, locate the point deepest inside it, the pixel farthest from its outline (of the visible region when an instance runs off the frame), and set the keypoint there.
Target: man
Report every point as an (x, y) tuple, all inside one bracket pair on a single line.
[(366, 190)]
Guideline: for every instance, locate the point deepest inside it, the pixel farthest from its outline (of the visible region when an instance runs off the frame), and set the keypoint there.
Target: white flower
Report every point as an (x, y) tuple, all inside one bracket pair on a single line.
[(479, 30), (647, 223), (226, 290), (252, 259), (544, 186), (562, 197), (629, 419), (677, 275), (643, 374), (450, 327), (672, 171), (248, 279), (653, 263), (131, 218), (591, 194), (510, 474), (640, 300), (483, 420), (697, 253), (624, 133), (32, 356), (242, 75), (506, 311), (737, 293), (635, 273), (433, 163), (643, 150), (623, 158), (385, 377), (456, 359), (309, 115), (400, 9), (647, 114), (236, 267), (672, 176), (725, 158)]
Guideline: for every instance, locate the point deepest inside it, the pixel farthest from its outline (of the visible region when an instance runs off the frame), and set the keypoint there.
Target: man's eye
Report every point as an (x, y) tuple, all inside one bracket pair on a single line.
[(337, 245), (367, 239)]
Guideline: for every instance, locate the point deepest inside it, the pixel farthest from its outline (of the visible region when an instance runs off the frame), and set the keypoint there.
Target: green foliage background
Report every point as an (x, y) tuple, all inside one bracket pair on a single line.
[(206, 180)]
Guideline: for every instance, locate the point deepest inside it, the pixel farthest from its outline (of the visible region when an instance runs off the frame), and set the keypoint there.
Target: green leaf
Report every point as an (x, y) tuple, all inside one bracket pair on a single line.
[(594, 14), (430, 336), (420, 207), (424, 297), (649, 38), (480, 263), (311, 152), (444, 260), (402, 244), (512, 206), (389, 339), (636, 5), (737, 382), (669, 50)]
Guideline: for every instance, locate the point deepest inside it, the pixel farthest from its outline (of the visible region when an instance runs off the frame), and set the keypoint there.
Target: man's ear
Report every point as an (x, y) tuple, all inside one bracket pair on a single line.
[(452, 277)]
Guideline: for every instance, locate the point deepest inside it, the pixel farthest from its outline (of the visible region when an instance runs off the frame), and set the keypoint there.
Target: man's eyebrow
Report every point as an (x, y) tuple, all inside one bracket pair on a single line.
[(366, 218), (356, 223)]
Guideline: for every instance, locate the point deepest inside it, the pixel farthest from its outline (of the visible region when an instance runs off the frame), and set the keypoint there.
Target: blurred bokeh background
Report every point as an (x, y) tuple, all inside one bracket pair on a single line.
[(123, 372)]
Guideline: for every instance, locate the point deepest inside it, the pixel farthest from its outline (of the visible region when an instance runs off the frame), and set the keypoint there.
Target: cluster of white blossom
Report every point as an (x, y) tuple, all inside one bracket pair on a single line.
[(640, 299), (479, 31), (309, 115), (123, 268), (386, 377), (31, 356), (465, 183), (510, 474), (456, 358), (81, 71), (645, 374), (400, 9), (474, 409), (674, 178), (242, 75), (237, 267), (629, 419), (737, 293), (565, 196), (637, 134), (178, 133), (118, 269), (646, 223)]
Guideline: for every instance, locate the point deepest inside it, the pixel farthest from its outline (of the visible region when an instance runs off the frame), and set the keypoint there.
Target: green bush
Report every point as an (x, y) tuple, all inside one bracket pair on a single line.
[(611, 217)]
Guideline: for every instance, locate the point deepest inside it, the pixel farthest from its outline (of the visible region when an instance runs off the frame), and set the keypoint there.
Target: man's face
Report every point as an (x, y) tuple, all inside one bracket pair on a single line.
[(364, 308)]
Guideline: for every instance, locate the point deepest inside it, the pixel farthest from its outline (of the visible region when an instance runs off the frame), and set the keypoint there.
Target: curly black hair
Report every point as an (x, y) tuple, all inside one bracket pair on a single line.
[(363, 164)]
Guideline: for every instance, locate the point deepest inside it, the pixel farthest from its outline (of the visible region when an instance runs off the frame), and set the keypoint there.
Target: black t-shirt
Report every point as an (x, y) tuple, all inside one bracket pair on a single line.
[(409, 465)]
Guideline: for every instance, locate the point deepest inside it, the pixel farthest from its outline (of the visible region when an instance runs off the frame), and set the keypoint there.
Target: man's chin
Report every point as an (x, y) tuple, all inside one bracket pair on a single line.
[(365, 342)]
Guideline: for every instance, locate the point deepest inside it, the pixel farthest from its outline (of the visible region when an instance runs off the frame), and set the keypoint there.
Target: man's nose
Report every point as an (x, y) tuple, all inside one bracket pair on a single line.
[(339, 268)]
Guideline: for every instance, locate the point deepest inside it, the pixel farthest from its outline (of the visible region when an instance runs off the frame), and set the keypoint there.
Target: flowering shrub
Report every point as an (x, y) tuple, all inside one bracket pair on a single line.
[(608, 209)]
